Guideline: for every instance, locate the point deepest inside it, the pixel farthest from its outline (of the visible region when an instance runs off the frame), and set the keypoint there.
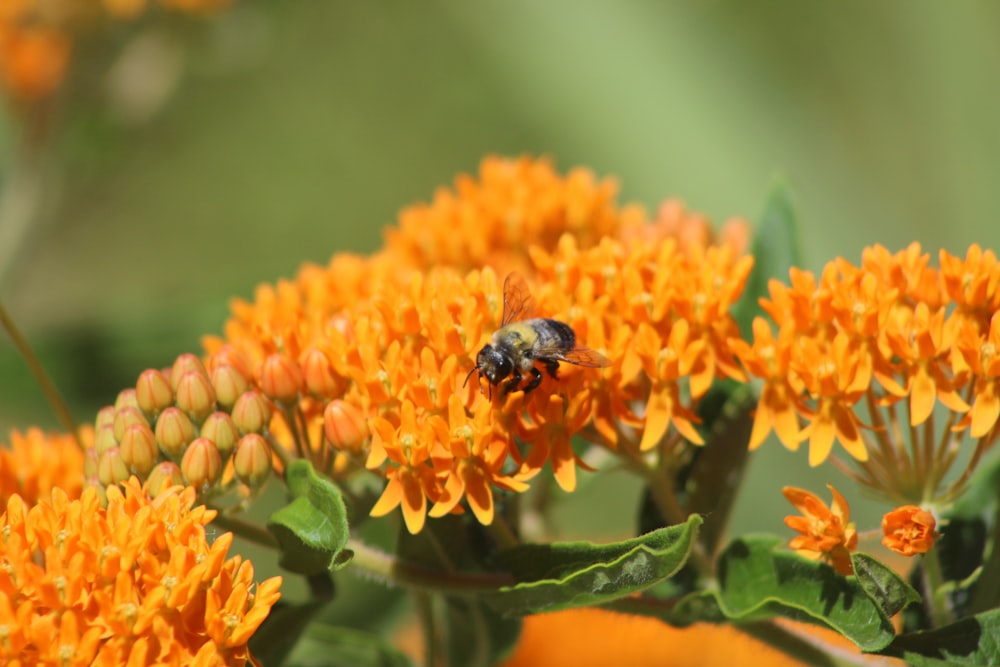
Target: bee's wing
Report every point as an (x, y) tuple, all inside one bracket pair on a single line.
[(578, 356), (516, 299)]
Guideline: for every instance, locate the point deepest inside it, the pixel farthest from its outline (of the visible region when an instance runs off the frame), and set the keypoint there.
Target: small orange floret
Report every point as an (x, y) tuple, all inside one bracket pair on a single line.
[(909, 530), (826, 531), (35, 463)]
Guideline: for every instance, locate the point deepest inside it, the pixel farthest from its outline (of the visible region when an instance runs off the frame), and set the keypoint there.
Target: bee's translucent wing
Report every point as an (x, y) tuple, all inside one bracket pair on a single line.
[(581, 356), (516, 299)]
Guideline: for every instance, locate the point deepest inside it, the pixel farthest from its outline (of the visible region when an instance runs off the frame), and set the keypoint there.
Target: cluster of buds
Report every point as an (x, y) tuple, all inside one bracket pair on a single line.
[(190, 424)]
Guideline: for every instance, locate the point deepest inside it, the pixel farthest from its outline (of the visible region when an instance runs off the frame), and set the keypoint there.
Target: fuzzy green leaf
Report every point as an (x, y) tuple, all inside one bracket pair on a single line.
[(883, 586), (971, 641), (578, 574), (312, 529)]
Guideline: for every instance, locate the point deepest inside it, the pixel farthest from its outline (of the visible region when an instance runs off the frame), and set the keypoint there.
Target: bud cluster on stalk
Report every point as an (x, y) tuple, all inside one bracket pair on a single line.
[(185, 425)]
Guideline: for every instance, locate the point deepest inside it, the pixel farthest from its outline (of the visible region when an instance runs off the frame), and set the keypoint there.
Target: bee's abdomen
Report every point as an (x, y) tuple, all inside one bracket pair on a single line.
[(554, 334)]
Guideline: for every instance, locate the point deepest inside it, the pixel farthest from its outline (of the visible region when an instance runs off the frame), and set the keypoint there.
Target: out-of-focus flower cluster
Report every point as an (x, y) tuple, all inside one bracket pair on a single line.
[(37, 37), (34, 463), (863, 355), (134, 582)]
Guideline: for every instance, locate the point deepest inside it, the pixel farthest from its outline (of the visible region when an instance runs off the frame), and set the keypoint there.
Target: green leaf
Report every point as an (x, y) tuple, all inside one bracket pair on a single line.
[(756, 582), (312, 530), (891, 593), (776, 249), (579, 574), (971, 641), (332, 646)]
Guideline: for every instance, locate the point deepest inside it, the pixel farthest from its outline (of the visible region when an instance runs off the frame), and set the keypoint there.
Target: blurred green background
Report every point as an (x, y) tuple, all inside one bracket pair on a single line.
[(299, 129)]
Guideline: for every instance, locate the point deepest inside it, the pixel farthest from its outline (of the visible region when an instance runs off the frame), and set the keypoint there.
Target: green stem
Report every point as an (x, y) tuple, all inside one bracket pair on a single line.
[(937, 604), (41, 377), (394, 570), (250, 532), (424, 604)]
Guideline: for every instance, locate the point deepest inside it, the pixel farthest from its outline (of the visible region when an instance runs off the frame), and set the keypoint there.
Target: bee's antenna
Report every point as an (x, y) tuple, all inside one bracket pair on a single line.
[(469, 375)]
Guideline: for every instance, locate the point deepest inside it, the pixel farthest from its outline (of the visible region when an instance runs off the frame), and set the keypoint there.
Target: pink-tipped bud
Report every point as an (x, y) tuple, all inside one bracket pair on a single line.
[(174, 431), (126, 398), (126, 417), (90, 459), (345, 426), (184, 364), (201, 464), (228, 383), (153, 392), (252, 412), (220, 429), (111, 468), (320, 378), (280, 378), (195, 395), (105, 417), (252, 461), (163, 476), (138, 449)]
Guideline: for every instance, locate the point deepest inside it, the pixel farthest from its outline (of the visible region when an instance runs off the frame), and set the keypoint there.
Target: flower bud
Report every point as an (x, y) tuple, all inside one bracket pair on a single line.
[(90, 459), (252, 461), (318, 373), (220, 429), (227, 355), (195, 395), (174, 431), (201, 464), (280, 378), (228, 384), (909, 530), (105, 439), (345, 426), (111, 469), (126, 398), (252, 412), (105, 417), (138, 449), (163, 476), (126, 417), (153, 392), (184, 364)]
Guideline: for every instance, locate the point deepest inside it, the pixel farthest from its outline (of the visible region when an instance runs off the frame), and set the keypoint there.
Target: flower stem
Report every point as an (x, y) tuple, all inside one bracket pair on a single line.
[(937, 605), (250, 532), (424, 604), (41, 377)]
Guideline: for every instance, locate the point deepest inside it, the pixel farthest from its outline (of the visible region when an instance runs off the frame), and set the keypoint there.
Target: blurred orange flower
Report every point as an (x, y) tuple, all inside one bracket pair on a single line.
[(35, 463), (909, 530), (827, 531)]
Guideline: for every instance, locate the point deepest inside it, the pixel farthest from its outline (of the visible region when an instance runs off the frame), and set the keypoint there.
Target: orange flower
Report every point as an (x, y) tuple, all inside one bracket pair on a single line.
[(909, 530), (827, 532), (137, 580), (36, 463)]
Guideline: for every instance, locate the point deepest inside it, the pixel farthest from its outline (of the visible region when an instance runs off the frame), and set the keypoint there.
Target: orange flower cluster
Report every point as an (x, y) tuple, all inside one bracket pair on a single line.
[(37, 36), (365, 359), (826, 531), (35, 463), (136, 582), (892, 335), (909, 530)]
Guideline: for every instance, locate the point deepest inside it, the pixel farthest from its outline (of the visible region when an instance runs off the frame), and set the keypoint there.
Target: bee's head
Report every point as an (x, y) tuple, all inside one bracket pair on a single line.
[(493, 365)]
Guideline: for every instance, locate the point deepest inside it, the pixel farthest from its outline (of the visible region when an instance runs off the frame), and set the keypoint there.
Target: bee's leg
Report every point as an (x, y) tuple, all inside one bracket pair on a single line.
[(536, 379), (510, 384), (552, 366)]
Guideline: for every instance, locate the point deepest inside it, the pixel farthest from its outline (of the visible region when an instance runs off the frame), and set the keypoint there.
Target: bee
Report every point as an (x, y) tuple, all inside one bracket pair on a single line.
[(520, 344)]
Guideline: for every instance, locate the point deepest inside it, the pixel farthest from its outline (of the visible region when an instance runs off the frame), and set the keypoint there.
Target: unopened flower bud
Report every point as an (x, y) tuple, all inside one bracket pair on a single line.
[(227, 355), (345, 426), (126, 398), (90, 459), (201, 464), (105, 417), (111, 468), (126, 417), (174, 431), (138, 449), (153, 392), (318, 373), (105, 439), (195, 395), (220, 429), (184, 364), (252, 461), (163, 476), (228, 384), (280, 378), (252, 412)]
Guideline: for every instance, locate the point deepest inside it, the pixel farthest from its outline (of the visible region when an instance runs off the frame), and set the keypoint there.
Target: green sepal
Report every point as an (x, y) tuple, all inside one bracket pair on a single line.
[(775, 250), (312, 529), (971, 641), (580, 574)]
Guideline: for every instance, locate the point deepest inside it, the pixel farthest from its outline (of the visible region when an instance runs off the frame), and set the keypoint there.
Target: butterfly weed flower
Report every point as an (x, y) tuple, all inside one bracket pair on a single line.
[(130, 581), (826, 531), (909, 530), (35, 463), (891, 359)]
